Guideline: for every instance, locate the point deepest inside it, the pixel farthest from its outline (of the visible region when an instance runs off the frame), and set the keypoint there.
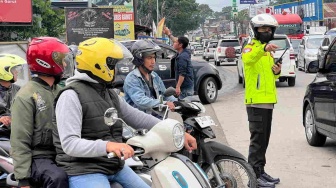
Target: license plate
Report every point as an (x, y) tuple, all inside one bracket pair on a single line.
[(205, 121)]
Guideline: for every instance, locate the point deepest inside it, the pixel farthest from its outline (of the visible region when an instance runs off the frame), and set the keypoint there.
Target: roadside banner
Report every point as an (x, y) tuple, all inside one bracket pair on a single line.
[(160, 28), (16, 12), (85, 23)]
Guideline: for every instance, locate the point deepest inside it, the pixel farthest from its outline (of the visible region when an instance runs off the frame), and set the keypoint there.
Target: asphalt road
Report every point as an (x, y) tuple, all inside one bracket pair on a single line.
[(289, 156)]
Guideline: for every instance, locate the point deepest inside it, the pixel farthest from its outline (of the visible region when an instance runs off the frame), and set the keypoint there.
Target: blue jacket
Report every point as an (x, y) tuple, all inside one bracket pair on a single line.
[(137, 92), (184, 68)]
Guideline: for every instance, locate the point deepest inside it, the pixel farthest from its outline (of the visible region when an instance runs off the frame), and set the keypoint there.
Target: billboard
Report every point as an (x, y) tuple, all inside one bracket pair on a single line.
[(312, 10), (16, 12), (124, 25), (85, 23), (248, 2)]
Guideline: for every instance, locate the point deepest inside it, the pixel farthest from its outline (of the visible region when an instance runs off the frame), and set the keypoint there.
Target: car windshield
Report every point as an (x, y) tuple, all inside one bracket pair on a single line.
[(314, 43), (331, 32), (229, 43), (282, 43), (213, 45)]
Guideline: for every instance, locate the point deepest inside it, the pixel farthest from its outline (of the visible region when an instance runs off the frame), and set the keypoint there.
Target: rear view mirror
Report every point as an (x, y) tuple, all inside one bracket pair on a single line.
[(325, 48)]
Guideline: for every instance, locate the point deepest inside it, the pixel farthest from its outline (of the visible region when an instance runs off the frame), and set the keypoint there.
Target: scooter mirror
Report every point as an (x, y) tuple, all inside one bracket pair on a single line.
[(169, 92), (111, 116)]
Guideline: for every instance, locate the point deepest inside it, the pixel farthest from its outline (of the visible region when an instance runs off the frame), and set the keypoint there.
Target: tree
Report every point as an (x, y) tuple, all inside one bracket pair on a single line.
[(205, 12), (50, 22), (181, 16)]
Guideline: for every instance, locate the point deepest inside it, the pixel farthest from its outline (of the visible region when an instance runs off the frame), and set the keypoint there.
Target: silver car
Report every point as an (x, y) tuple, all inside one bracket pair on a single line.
[(327, 40), (308, 50)]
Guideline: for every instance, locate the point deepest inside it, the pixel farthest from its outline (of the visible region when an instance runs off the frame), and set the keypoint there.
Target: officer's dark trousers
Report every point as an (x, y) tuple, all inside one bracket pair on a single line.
[(46, 174), (260, 122)]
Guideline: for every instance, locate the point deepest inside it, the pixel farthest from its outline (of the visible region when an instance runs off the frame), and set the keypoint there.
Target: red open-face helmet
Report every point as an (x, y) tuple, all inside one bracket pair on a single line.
[(45, 56)]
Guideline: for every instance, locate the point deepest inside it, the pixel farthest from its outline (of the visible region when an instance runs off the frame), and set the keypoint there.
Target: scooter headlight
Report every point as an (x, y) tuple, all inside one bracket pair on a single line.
[(178, 135)]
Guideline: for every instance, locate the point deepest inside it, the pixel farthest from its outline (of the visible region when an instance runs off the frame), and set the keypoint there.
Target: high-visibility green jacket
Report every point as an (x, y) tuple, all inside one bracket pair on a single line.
[(260, 85)]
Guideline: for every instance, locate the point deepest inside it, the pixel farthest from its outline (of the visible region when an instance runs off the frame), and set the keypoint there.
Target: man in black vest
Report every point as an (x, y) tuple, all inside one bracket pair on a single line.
[(82, 139)]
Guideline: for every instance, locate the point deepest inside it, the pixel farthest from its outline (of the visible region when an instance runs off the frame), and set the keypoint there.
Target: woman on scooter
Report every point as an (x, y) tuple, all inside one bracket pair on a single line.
[(143, 86), (84, 139)]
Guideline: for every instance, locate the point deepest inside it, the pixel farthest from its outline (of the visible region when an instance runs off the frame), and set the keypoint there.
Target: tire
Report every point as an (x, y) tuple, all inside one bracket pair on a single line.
[(206, 59), (208, 90), (313, 137), (291, 82), (228, 177), (240, 79), (305, 68), (217, 63)]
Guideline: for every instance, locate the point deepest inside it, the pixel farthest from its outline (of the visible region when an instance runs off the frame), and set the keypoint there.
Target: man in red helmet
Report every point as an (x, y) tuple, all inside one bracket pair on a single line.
[(33, 151)]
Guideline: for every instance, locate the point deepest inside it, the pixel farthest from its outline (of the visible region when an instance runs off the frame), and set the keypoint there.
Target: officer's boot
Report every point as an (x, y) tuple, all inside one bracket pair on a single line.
[(266, 177)]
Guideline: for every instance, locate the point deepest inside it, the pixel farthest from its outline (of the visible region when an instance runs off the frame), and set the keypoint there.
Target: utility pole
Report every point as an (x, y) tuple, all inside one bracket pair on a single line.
[(234, 15), (90, 3), (157, 13)]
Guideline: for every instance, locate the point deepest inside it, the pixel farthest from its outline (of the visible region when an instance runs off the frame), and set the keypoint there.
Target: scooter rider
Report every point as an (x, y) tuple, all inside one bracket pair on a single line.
[(143, 86), (84, 139), (32, 150), (10, 66), (260, 92)]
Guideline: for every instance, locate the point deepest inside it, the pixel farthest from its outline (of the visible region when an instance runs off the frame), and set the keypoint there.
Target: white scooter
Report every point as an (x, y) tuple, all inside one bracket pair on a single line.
[(158, 146)]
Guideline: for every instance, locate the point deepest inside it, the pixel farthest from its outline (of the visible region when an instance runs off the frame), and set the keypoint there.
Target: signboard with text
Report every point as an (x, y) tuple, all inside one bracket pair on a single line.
[(85, 23), (124, 25), (16, 12), (311, 10)]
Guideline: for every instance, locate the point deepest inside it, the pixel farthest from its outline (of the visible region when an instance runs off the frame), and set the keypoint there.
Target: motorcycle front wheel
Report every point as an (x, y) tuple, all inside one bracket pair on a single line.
[(234, 173)]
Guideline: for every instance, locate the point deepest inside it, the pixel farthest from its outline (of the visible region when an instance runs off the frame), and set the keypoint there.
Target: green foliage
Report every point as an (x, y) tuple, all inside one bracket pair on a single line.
[(51, 22), (181, 16)]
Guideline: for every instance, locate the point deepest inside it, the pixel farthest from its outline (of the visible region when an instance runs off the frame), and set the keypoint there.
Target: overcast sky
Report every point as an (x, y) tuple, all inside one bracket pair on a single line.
[(217, 5)]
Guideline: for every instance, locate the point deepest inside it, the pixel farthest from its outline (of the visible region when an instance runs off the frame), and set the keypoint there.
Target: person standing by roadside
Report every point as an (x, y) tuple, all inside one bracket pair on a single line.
[(260, 92), (184, 74)]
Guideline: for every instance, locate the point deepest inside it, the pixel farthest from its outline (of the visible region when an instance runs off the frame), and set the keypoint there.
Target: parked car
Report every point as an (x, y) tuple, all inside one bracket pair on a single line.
[(206, 76), (331, 31), (288, 72), (319, 109), (324, 46), (209, 50), (295, 45), (220, 54), (198, 50), (308, 49)]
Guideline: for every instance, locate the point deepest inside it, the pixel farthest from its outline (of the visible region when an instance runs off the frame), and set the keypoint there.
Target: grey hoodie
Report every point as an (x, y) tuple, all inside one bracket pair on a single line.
[(69, 122)]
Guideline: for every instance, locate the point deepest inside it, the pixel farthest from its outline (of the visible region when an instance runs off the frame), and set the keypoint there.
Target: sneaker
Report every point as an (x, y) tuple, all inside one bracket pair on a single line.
[(264, 184), (266, 177)]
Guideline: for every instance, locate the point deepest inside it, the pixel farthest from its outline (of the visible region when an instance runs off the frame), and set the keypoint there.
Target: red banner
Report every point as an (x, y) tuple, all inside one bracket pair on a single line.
[(16, 11), (123, 16)]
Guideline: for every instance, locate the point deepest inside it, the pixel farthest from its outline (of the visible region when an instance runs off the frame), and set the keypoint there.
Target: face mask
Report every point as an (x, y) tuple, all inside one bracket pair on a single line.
[(265, 37)]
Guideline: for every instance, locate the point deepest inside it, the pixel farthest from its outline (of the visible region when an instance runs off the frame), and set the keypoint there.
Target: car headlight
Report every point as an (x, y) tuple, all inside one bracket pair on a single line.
[(178, 135)]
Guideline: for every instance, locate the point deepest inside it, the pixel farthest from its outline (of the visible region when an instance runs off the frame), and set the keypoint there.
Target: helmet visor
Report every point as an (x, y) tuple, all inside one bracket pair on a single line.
[(16, 71), (127, 55), (69, 65), (64, 60)]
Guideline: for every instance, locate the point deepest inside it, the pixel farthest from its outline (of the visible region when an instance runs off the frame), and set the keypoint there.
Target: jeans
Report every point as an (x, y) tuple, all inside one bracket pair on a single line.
[(126, 177), (185, 92)]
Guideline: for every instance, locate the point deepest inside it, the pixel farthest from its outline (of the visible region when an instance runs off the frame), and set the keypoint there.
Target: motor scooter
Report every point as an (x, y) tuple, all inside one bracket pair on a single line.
[(158, 147), (223, 165)]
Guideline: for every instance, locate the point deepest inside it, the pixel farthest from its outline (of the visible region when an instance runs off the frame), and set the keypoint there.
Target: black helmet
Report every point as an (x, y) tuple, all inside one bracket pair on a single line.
[(141, 49)]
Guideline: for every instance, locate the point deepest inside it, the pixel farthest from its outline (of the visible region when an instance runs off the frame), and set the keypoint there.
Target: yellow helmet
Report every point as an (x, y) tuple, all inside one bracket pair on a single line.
[(8, 63), (98, 56)]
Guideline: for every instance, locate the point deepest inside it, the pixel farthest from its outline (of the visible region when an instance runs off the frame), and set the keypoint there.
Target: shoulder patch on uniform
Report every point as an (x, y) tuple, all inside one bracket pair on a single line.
[(246, 50), (40, 103)]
